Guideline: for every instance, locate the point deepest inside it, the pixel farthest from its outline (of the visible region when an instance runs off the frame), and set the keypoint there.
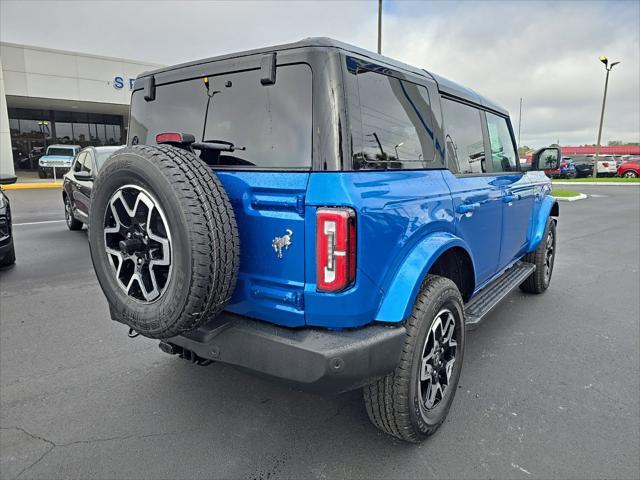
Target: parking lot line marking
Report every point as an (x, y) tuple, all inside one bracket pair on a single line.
[(36, 223)]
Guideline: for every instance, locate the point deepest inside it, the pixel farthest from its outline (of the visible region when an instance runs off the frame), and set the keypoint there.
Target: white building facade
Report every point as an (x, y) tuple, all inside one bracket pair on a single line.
[(53, 96)]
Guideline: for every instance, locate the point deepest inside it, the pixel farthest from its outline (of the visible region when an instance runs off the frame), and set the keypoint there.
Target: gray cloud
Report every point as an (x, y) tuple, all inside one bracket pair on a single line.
[(545, 52)]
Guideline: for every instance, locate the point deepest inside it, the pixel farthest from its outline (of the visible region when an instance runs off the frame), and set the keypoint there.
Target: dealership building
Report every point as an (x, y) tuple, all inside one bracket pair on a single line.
[(52, 96)]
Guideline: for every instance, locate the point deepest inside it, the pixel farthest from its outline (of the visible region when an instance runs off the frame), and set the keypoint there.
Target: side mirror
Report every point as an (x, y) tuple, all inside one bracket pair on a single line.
[(7, 179), (83, 176), (547, 158)]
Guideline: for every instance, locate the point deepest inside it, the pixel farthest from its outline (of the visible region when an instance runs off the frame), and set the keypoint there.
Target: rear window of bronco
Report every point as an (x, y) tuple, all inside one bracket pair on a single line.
[(270, 125)]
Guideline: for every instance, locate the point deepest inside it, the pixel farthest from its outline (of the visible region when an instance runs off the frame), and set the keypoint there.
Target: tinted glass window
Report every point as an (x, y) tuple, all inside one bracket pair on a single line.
[(397, 125), (464, 141), (77, 166), (64, 152), (503, 153), (270, 123), (87, 164)]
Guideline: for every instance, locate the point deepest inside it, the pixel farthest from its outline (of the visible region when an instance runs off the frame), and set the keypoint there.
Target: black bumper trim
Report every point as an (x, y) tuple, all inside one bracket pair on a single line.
[(317, 360)]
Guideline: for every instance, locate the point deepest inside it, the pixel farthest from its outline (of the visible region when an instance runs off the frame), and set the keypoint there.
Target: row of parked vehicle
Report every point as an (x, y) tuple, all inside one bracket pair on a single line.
[(608, 166)]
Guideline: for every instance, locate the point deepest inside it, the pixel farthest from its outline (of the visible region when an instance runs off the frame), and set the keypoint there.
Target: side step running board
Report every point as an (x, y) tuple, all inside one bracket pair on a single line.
[(487, 298)]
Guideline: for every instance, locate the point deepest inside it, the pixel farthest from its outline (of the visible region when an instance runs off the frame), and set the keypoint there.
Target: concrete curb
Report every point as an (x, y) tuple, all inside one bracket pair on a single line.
[(580, 196), (25, 186), (601, 184)]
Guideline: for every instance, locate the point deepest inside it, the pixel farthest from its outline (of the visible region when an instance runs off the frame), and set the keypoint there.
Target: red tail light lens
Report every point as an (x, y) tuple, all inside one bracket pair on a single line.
[(169, 138), (174, 137), (335, 249), (605, 164), (564, 165)]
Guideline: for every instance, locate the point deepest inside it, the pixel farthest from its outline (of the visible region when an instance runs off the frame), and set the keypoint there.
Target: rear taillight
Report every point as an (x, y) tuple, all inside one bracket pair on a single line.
[(564, 165), (605, 164), (174, 138), (335, 249)]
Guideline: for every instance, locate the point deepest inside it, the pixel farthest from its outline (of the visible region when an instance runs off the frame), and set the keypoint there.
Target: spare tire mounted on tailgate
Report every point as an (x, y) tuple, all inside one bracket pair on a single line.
[(164, 241)]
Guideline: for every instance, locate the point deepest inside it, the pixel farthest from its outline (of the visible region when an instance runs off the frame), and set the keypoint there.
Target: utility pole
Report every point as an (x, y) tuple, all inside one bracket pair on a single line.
[(519, 122), (379, 27), (608, 67)]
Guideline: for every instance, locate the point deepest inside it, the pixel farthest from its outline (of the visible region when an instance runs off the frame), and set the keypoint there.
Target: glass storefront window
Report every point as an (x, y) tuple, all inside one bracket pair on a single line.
[(81, 134), (32, 131), (64, 132)]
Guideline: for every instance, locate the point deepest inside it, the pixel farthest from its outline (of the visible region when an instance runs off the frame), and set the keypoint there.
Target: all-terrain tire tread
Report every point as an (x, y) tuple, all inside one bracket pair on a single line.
[(390, 411), (535, 282), (212, 232)]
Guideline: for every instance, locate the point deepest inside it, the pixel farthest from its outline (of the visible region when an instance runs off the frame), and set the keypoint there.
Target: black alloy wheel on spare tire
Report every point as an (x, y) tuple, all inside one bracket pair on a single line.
[(163, 239)]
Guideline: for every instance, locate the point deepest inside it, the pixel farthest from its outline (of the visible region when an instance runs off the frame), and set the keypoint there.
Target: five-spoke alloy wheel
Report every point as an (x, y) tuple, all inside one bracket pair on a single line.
[(138, 243), (438, 359)]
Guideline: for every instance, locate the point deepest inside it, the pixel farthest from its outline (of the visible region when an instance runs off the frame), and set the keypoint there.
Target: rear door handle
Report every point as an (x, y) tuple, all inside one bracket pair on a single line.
[(464, 208)]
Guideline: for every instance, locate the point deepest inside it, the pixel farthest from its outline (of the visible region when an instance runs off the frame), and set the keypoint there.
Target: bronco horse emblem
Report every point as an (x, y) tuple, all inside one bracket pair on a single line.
[(282, 242)]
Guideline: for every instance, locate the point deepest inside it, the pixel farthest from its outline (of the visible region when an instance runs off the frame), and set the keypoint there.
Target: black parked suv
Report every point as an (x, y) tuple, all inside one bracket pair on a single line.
[(7, 249), (76, 191)]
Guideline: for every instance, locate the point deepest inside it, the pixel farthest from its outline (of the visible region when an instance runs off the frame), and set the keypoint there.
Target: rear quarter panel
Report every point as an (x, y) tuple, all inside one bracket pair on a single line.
[(396, 210)]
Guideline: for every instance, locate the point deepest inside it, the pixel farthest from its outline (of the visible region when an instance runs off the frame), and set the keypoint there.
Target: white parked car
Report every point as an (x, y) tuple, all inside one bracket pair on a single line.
[(59, 157)]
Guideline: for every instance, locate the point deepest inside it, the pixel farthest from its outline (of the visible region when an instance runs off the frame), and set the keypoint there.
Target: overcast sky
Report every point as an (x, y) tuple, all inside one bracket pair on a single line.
[(545, 52)]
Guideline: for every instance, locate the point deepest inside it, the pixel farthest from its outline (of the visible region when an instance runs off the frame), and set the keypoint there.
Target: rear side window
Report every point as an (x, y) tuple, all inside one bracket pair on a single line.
[(271, 124), (397, 125), (503, 153), (463, 138)]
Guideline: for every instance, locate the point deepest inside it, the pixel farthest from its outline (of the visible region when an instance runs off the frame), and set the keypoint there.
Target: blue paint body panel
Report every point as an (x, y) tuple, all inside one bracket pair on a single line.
[(266, 204), (405, 221)]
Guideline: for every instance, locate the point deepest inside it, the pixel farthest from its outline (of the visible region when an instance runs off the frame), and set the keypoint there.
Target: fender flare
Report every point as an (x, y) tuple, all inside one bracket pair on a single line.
[(548, 207), (403, 289)]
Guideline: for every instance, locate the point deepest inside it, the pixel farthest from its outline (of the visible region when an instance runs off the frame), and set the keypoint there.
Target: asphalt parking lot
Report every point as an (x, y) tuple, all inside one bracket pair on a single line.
[(550, 386)]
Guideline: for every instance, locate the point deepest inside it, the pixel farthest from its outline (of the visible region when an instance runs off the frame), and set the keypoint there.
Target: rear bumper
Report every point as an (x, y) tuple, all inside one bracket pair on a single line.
[(317, 360)]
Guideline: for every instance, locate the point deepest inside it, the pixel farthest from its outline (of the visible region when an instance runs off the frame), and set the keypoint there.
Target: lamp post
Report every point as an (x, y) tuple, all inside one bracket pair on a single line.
[(608, 67), (396, 149), (379, 27)]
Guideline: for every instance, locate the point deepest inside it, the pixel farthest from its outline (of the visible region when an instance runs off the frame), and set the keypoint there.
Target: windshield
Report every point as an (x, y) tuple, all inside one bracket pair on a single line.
[(60, 151), (270, 125)]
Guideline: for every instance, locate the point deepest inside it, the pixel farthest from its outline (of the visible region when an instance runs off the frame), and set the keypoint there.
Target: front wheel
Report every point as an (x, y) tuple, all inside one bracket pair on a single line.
[(412, 402), (544, 259), (630, 174)]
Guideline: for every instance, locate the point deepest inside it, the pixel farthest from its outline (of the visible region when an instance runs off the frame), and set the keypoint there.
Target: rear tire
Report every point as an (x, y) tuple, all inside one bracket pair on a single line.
[(399, 403), (9, 257), (72, 222), (544, 259), (163, 240), (630, 174)]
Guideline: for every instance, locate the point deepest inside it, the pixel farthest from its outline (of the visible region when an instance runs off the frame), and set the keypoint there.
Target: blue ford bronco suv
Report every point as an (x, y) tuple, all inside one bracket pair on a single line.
[(320, 214)]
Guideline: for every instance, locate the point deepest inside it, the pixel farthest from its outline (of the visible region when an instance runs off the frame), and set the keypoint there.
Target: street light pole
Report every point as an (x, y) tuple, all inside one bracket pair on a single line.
[(608, 67), (379, 27)]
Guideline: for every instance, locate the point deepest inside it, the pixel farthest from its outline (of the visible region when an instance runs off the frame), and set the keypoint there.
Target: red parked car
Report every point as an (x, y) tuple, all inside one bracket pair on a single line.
[(630, 169)]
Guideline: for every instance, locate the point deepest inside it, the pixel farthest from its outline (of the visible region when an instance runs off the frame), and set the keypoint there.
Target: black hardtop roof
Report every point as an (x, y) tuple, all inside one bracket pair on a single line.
[(444, 85)]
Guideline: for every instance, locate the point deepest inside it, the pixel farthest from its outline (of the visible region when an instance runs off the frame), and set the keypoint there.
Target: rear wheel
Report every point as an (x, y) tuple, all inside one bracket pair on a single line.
[(9, 257), (163, 239), (412, 402), (630, 174), (544, 259), (72, 222)]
